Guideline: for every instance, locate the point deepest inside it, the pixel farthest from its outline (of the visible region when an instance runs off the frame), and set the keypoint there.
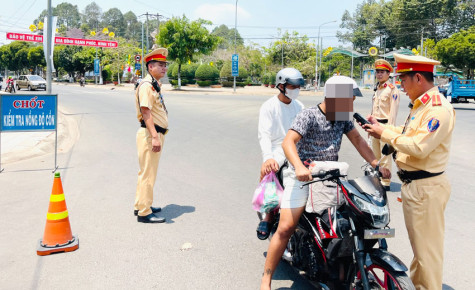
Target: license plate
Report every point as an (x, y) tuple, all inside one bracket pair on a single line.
[(379, 234)]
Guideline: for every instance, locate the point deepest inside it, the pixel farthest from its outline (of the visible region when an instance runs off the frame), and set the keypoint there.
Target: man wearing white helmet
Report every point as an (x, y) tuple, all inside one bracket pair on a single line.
[(316, 134), (275, 117)]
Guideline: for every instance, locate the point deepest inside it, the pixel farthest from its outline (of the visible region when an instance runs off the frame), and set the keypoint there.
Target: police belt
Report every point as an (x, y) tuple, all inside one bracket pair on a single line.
[(408, 176), (382, 121), (158, 128)]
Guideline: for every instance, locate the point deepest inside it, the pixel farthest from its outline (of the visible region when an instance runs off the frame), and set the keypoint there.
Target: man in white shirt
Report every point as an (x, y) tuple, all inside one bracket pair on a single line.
[(275, 117)]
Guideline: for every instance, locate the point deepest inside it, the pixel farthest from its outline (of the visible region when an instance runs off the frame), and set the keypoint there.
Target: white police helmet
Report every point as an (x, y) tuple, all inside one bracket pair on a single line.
[(289, 76)]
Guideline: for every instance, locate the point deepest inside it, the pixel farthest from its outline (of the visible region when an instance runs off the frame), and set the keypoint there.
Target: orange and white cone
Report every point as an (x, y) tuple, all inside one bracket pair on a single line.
[(57, 236)]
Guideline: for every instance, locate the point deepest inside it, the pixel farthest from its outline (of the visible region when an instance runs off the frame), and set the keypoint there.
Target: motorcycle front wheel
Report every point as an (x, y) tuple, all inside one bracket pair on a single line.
[(382, 278)]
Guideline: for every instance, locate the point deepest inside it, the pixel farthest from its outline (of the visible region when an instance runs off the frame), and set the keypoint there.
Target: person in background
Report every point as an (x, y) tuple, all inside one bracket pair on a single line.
[(385, 108), (153, 117)]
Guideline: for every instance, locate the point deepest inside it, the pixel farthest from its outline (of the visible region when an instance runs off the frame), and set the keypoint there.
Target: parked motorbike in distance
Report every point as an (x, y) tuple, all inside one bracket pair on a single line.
[(10, 88), (345, 247)]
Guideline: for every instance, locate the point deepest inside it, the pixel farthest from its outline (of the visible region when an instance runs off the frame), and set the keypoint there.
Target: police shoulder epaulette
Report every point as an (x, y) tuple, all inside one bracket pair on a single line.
[(425, 99), (391, 86), (436, 100)]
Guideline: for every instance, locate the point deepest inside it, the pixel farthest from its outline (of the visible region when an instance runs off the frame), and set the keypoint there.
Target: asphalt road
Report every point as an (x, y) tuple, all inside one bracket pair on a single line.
[(207, 175)]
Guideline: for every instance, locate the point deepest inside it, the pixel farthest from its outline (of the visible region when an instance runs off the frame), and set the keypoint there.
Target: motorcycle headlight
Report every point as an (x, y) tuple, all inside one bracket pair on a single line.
[(380, 215)]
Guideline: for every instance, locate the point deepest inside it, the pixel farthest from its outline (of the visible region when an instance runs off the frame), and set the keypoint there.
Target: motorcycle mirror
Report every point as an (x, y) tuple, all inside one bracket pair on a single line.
[(387, 149)]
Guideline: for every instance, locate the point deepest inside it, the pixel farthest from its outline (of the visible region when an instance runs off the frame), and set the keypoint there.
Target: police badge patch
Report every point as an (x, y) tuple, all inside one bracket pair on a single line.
[(433, 125)]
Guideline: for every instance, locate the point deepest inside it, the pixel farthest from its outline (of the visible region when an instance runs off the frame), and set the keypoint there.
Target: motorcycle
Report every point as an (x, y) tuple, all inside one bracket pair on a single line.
[(82, 82), (10, 88), (336, 250)]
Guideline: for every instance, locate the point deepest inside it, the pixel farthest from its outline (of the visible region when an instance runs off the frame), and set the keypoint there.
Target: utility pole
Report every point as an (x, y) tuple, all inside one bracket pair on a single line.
[(235, 43), (319, 56), (147, 31), (48, 49), (142, 60)]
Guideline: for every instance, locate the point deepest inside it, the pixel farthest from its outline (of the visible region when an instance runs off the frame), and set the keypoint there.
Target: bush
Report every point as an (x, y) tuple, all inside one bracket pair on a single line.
[(227, 73), (184, 82), (230, 84), (272, 78), (265, 78), (188, 71), (170, 71), (206, 83), (206, 72), (106, 74)]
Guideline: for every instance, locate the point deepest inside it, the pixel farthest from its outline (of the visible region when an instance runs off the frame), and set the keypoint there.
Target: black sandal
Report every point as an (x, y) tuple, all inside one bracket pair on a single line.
[(263, 230)]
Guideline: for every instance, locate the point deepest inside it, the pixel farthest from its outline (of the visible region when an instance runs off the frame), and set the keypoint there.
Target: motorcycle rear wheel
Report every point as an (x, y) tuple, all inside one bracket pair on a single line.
[(382, 278)]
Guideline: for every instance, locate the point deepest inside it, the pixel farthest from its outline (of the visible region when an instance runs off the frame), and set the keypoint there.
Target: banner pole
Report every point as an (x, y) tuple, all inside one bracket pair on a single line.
[(56, 136)]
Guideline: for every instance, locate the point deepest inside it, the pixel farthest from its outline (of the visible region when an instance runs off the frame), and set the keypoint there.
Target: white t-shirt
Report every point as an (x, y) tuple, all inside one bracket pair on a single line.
[(275, 119)]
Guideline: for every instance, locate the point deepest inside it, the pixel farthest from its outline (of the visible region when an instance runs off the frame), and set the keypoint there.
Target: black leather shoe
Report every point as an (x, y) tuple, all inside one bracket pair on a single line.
[(154, 210), (387, 188), (151, 218)]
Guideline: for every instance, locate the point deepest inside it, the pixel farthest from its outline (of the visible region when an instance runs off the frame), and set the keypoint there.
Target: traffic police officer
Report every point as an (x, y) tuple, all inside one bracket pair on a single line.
[(422, 152), (385, 108), (153, 117)]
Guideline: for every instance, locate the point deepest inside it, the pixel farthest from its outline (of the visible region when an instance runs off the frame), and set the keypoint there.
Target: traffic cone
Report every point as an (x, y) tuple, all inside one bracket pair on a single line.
[(58, 236)]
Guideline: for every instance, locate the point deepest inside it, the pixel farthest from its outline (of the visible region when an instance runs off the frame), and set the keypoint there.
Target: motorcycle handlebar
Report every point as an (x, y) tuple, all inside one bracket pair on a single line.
[(324, 176)]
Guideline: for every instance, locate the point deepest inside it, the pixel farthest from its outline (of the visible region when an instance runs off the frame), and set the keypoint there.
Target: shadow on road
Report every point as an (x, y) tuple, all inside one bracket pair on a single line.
[(173, 211)]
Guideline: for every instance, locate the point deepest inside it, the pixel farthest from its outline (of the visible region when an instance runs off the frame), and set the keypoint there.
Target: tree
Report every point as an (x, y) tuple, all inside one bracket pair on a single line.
[(68, 15), (226, 36), (92, 16), (133, 27), (459, 51), (290, 49), (36, 57), (185, 40), (14, 56), (65, 58), (363, 26), (114, 21)]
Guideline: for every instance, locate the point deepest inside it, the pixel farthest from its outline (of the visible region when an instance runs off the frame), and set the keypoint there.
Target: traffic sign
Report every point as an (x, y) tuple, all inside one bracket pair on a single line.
[(235, 65), (138, 57), (138, 66)]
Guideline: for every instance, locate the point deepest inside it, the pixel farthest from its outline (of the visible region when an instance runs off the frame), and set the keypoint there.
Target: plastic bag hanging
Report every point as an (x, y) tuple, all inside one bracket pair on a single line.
[(268, 194)]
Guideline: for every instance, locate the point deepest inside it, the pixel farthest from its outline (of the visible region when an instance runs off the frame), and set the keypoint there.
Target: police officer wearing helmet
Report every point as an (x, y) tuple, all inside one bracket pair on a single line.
[(315, 134), (422, 151), (275, 117), (153, 117), (385, 108)]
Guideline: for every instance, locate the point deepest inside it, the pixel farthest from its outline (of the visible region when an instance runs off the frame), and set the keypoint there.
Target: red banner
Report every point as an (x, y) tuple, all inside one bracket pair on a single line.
[(63, 40)]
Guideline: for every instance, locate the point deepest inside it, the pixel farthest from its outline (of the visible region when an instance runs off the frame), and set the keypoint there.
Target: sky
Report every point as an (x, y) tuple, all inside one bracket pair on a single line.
[(257, 21)]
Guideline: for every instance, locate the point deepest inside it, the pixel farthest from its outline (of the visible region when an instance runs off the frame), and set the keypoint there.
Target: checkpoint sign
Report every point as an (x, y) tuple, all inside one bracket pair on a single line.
[(235, 65), (28, 112)]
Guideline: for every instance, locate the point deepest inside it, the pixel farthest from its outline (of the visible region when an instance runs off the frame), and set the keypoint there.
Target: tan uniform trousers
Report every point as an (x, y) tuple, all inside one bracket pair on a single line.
[(424, 202), (386, 162), (148, 162)]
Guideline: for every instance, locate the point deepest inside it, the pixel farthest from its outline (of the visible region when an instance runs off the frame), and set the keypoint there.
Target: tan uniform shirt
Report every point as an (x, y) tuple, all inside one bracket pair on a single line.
[(150, 98), (425, 143), (386, 102)]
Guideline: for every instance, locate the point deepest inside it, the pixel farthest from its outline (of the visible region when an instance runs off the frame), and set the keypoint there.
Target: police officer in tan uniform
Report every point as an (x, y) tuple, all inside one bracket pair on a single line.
[(153, 117), (385, 108), (422, 151)]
